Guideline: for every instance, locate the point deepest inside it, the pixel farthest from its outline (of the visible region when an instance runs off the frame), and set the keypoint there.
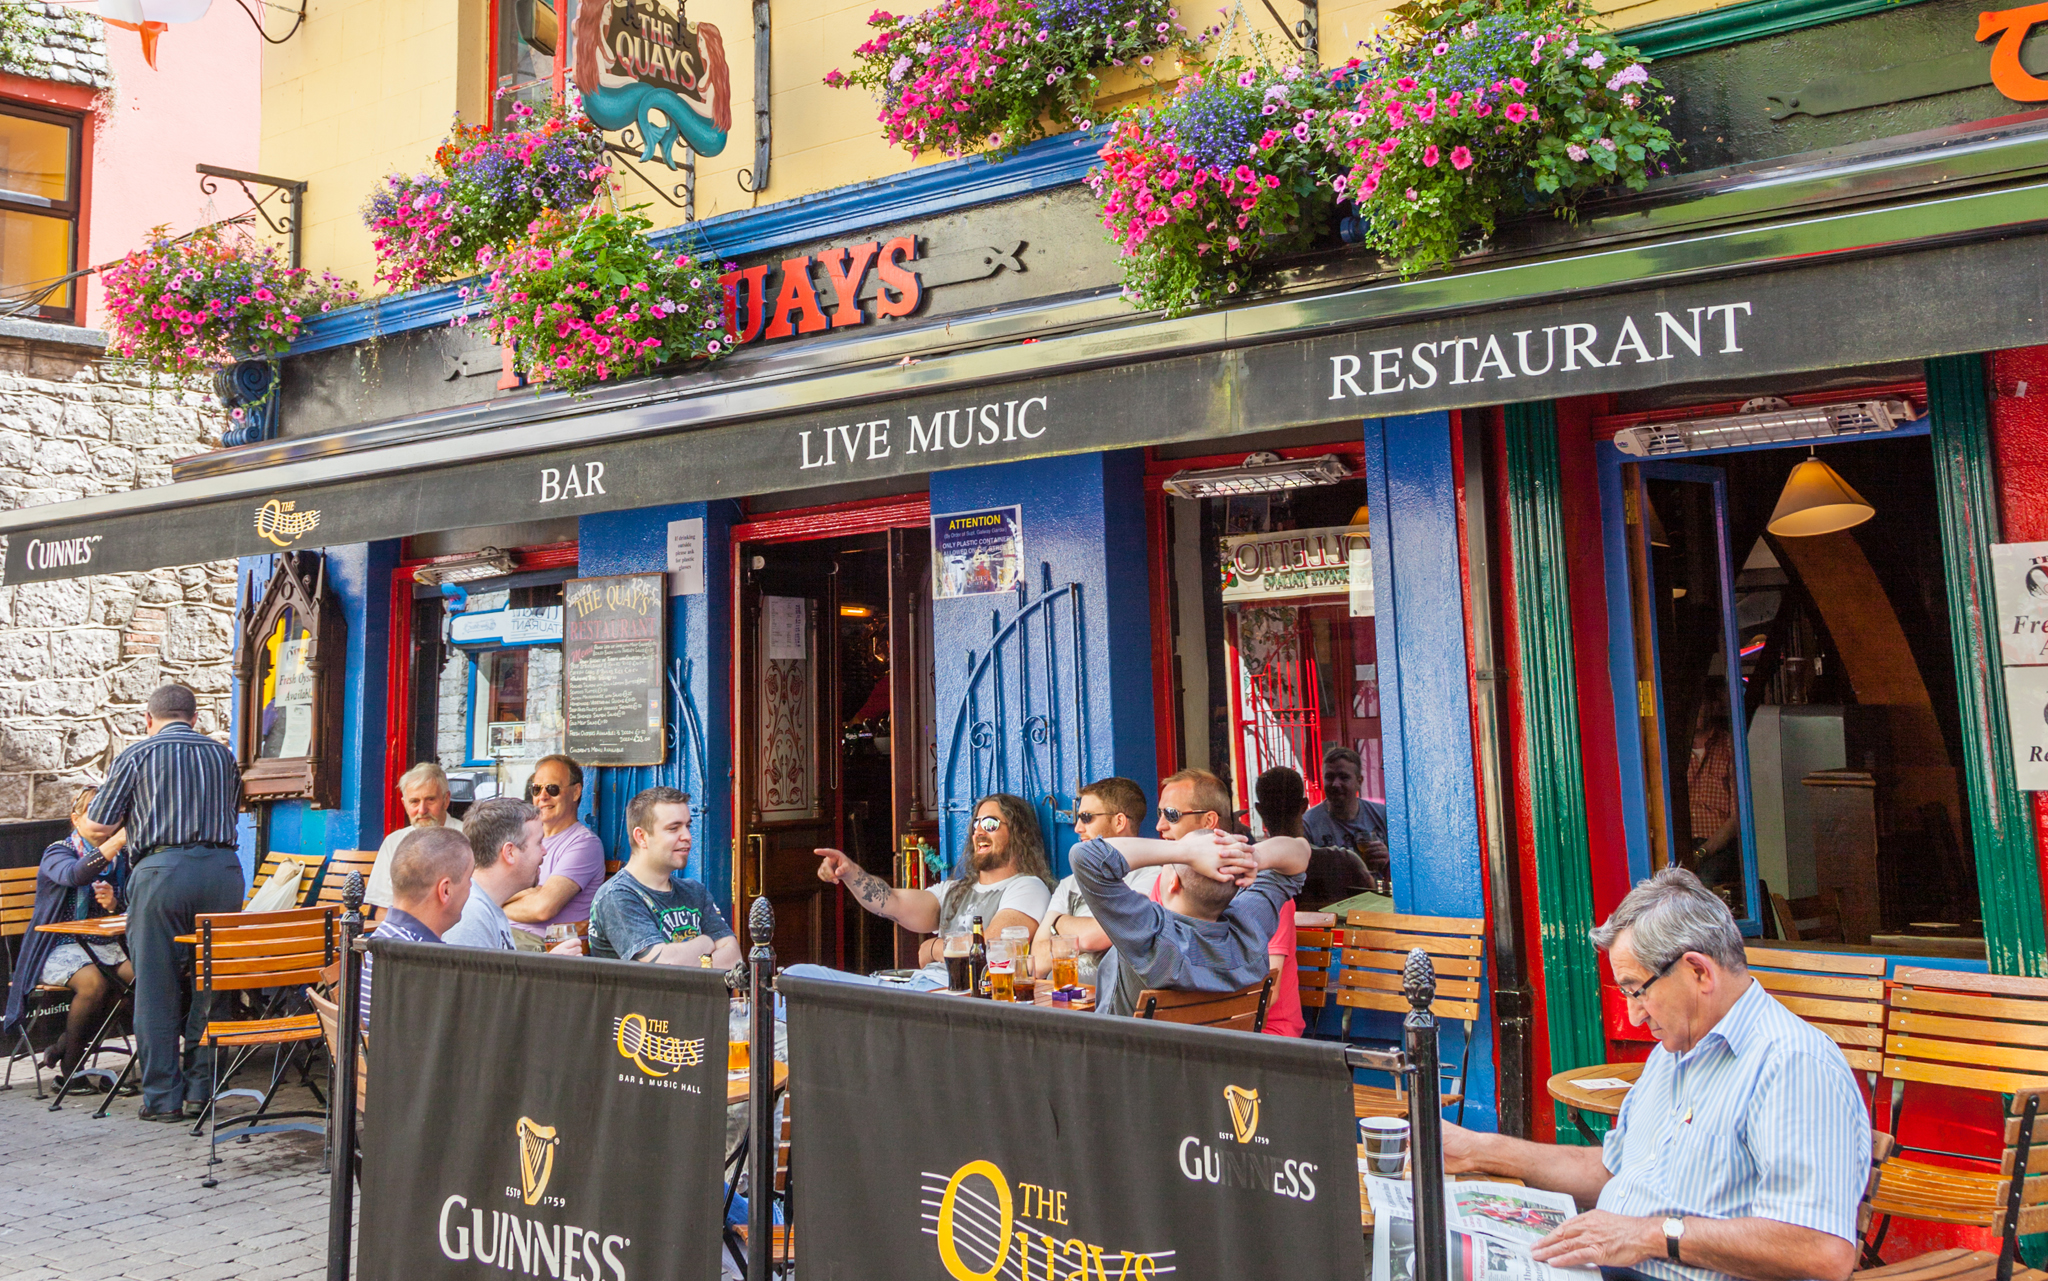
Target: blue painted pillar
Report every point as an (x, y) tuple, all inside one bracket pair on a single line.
[(1047, 714), (360, 578), (1425, 704), (700, 692)]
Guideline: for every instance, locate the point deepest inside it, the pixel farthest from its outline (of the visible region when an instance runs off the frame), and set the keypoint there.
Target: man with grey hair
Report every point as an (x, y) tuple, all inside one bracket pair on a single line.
[(424, 789), (1744, 1148)]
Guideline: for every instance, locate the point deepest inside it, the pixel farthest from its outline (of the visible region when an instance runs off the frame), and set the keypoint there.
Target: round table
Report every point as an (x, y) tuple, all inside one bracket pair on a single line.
[(1565, 1088)]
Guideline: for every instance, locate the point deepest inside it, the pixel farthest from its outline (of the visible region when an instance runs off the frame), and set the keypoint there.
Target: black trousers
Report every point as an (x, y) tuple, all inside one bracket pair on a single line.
[(167, 889)]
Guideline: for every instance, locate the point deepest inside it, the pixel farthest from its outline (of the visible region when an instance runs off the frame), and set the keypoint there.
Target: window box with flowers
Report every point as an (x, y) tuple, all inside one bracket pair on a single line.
[(970, 76)]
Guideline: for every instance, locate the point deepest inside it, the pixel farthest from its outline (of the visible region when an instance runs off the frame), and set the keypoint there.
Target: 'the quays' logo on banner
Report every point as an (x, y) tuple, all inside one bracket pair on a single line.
[(986, 1230), (1235, 1167), (645, 1043), (536, 1158)]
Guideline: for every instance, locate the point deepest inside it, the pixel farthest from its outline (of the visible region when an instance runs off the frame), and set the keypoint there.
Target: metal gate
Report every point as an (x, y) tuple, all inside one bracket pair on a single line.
[(1023, 720)]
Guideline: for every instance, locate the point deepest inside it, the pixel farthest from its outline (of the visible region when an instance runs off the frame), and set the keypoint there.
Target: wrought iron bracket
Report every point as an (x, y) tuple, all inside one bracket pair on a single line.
[(291, 193), (755, 180), (682, 195)]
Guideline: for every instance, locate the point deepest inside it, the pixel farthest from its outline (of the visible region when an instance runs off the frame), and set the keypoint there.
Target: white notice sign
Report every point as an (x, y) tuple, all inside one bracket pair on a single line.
[(2026, 707), (686, 557), (786, 619)]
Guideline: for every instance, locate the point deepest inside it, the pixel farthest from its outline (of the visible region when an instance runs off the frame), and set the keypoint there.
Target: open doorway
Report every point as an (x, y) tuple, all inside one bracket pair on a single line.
[(833, 703), (1801, 736)]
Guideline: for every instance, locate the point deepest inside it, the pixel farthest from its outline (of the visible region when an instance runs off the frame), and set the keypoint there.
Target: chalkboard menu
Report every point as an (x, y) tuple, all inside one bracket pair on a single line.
[(613, 647)]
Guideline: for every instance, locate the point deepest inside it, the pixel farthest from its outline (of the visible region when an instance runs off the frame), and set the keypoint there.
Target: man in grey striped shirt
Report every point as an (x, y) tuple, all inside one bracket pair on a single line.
[(1743, 1150)]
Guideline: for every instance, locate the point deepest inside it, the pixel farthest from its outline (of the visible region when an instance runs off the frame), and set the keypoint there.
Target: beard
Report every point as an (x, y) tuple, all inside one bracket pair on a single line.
[(426, 820), (988, 858)]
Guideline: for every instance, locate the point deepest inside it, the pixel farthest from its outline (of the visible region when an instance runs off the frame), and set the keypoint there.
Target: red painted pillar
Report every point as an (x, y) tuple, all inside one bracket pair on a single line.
[(2019, 447)]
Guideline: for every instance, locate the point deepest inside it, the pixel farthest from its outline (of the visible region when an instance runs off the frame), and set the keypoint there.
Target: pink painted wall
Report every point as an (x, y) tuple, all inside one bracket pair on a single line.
[(201, 104)]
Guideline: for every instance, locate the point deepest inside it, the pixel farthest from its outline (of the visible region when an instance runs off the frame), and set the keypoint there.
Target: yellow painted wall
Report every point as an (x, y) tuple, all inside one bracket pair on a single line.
[(369, 87)]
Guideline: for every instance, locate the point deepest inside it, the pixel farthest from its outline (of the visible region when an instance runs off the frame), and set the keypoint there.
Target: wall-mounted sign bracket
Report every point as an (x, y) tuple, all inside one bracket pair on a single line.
[(755, 180), (291, 202), (682, 194)]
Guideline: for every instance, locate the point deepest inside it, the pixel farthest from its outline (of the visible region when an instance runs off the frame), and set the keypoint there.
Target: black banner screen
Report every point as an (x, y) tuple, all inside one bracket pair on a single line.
[(937, 1138), (534, 1115)]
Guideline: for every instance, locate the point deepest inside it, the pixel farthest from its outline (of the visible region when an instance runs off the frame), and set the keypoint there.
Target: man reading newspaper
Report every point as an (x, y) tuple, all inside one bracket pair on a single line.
[(1743, 1149)]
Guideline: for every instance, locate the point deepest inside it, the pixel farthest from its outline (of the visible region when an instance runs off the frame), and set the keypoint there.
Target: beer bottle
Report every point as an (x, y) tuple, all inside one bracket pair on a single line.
[(977, 962)]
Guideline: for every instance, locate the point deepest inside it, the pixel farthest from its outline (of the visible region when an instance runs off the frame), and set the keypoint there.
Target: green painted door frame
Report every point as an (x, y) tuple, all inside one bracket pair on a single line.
[(1548, 693), (2001, 824)]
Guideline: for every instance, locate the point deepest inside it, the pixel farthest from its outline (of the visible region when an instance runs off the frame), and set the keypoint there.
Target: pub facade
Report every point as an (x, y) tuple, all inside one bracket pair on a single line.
[(1525, 535)]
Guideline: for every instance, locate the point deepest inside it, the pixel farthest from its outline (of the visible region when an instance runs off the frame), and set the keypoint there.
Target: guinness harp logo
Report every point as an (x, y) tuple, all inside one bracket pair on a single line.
[(652, 1052), (1244, 1111), (283, 523), (536, 1158)]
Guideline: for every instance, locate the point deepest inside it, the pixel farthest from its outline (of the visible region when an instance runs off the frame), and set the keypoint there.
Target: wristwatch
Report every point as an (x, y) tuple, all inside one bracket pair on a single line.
[(1674, 1232)]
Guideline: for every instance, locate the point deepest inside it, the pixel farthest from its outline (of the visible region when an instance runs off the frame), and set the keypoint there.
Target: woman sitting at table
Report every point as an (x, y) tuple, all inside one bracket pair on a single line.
[(77, 880)]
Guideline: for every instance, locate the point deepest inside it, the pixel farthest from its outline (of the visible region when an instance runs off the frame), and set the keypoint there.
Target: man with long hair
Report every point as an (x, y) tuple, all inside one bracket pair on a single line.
[(1005, 880)]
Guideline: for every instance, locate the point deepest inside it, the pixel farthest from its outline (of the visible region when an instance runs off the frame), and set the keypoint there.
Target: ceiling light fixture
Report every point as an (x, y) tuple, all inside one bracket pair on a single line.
[(1817, 501), (468, 568), (1766, 420), (1260, 473), (855, 611)]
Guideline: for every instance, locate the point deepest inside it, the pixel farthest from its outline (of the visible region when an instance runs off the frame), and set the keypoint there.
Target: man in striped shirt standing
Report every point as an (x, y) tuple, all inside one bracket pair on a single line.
[(1744, 1148), (175, 792)]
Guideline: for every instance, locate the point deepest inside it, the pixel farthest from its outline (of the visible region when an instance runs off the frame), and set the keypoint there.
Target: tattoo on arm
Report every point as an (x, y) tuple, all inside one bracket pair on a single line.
[(870, 890)]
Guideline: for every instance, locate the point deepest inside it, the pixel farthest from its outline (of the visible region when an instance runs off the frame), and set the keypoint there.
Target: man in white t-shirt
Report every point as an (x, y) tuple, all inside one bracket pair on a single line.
[(1005, 881), (1106, 807), (424, 789)]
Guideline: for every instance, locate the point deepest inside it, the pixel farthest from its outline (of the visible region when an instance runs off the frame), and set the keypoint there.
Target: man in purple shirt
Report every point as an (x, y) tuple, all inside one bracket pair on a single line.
[(573, 867), (429, 885)]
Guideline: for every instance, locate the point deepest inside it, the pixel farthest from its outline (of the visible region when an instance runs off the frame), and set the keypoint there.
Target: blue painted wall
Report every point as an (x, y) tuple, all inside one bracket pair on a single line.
[(1084, 517), (699, 702), (360, 578), (1425, 708)]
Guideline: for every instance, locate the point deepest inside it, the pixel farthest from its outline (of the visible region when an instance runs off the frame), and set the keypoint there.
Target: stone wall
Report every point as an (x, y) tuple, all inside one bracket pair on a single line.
[(78, 658)]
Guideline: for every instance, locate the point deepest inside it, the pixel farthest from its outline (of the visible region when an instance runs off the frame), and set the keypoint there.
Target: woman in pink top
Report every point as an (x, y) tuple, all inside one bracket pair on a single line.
[(573, 867)]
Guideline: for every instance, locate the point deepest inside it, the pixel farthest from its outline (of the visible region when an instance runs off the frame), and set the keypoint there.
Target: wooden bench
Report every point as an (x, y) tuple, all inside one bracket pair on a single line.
[(334, 877), (17, 906), (1843, 996), (2026, 1129), (1371, 953), (309, 871)]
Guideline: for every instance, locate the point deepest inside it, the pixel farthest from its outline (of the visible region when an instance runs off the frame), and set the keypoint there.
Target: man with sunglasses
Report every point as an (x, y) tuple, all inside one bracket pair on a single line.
[(573, 867), (1743, 1149), (1106, 807)]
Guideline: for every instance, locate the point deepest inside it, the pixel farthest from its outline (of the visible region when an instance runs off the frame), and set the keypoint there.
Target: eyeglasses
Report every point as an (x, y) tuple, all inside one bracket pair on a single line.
[(535, 789), (987, 823), (1083, 818), (1637, 993), (1173, 815)]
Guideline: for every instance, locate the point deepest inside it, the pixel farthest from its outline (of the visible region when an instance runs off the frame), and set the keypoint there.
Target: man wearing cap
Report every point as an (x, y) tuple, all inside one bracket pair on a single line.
[(175, 792)]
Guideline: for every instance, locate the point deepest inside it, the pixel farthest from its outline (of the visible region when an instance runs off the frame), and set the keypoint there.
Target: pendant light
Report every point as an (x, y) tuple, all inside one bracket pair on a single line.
[(1817, 501)]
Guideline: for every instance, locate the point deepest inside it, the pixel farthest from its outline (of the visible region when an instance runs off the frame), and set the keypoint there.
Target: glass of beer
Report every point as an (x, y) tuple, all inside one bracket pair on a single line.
[(1066, 961), (1002, 971), (739, 1033), (957, 977), (1019, 940)]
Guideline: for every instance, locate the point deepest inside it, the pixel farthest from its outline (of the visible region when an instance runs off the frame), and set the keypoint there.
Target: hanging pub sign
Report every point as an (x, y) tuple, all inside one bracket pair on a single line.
[(1290, 563), (645, 70), (613, 645)]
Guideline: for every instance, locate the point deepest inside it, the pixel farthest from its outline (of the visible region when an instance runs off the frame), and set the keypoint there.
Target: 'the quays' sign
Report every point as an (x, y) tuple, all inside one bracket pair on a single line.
[(643, 66)]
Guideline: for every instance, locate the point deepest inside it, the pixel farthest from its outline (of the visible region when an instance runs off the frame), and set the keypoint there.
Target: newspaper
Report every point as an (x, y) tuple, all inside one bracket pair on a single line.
[(1491, 1228)]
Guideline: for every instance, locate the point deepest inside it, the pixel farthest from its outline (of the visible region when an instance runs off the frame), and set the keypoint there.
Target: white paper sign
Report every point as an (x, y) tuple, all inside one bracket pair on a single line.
[(2020, 571), (1360, 565), (686, 557), (786, 619), (2026, 708), (294, 681), (297, 739)]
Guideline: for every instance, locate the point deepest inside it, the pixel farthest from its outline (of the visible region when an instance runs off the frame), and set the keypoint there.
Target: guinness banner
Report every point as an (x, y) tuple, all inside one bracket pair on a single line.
[(537, 1115), (938, 1137)]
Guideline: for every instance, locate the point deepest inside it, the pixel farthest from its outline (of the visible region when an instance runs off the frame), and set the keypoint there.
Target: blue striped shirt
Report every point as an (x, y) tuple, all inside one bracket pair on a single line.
[(176, 787), (1760, 1119), (397, 924)]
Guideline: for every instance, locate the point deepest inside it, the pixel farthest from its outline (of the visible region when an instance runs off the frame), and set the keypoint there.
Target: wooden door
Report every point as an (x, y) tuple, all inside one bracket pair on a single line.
[(913, 720), (787, 756)]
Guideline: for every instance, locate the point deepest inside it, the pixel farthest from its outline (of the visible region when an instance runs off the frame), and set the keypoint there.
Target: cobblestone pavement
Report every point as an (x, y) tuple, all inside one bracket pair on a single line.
[(120, 1200)]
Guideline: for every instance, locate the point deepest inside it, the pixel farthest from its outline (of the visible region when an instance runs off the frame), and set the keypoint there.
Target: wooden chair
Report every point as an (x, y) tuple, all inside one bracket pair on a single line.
[(334, 878), (1315, 962), (249, 952), (1983, 1032), (1843, 996), (1371, 955), (1809, 920), (782, 1244), (2026, 1130), (309, 865), (1242, 1011), (17, 905)]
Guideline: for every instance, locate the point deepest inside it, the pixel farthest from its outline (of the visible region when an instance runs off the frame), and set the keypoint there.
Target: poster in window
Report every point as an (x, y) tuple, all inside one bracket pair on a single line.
[(613, 649), (976, 553)]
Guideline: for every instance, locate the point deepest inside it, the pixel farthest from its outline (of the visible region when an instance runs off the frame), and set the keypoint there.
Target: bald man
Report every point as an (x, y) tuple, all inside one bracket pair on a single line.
[(429, 885)]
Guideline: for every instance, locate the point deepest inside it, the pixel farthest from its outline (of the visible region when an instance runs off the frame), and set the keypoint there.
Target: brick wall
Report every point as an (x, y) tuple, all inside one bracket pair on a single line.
[(78, 658)]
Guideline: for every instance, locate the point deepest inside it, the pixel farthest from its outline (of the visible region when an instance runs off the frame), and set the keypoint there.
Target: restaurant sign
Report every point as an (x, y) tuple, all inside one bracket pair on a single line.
[(1292, 563), (928, 1148), (647, 72), (2019, 573), (591, 1146)]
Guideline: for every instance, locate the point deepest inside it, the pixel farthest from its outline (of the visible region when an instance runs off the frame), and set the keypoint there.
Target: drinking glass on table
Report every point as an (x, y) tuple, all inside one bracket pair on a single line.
[(955, 951), (738, 1036), (1002, 971), (1066, 961)]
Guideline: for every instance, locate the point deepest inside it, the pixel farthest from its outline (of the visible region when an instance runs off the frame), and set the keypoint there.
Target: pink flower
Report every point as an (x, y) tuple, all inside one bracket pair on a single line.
[(1461, 158), (1429, 156), (1388, 147), (1516, 112), (1575, 151), (1518, 84)]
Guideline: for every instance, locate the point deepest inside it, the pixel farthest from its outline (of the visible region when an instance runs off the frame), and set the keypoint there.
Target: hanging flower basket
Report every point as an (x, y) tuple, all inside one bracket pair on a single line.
[(486, 186), (1476, 111), (1234, 167), (585, 298), (188, 304), (987, 75)]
